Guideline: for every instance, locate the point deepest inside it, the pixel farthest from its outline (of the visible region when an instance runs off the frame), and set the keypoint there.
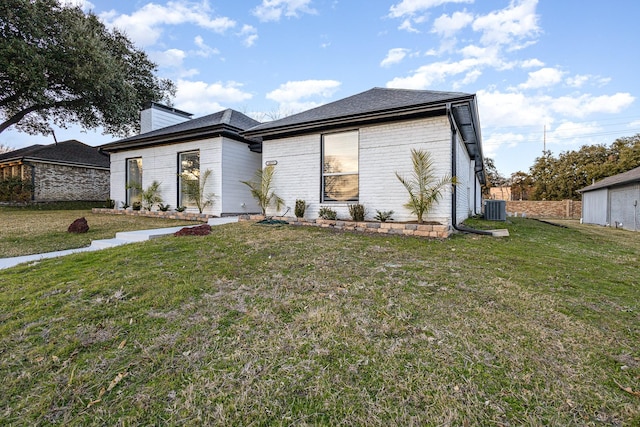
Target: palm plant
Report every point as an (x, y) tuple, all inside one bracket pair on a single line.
[(261, 189), (149, 196), (194, 189), (423, 187)]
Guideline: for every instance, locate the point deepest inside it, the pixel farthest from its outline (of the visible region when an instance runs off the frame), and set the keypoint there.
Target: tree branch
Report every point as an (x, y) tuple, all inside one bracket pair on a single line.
[(16, 118)]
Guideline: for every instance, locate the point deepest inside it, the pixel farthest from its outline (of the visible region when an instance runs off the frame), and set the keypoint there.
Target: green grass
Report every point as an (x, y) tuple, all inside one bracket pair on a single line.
[(258, 325), (25, 231)]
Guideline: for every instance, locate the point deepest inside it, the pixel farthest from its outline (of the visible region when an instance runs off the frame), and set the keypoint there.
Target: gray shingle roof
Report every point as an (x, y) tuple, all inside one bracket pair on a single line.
[(370, 102), (622, 178), (227, 120), (70, 152)]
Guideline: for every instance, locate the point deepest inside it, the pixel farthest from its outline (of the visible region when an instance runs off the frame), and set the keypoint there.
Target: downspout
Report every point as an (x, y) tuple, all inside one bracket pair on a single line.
[(454, 193)]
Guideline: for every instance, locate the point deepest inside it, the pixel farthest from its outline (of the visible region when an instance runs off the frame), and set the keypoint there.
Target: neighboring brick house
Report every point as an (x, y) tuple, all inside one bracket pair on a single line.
[(349, 151), (65, 171)]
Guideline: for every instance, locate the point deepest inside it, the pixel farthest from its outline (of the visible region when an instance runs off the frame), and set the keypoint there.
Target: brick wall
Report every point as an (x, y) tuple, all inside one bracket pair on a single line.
[(570, 209), (68, 183)]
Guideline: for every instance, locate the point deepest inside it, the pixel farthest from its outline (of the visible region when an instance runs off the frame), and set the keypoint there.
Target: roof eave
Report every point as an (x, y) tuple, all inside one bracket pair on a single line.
[(172, 138)]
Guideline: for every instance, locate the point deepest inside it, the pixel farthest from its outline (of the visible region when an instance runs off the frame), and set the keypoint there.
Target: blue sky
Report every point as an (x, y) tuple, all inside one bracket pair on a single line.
[(569, 66)]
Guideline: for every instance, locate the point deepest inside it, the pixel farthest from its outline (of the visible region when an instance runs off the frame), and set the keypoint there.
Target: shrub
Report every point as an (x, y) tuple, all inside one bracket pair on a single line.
[(357, 212), (110, 204), (15, 189), (163, 207), (383, 216), (301, 206), (136, 206), (180, 208), (327, 213), (124, 205)]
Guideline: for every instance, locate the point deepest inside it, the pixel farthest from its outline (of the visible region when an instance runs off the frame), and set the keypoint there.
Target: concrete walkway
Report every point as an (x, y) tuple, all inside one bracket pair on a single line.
[(121, 238)]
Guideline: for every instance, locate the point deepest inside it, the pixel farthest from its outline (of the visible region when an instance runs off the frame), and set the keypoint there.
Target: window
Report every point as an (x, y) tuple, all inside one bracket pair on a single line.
[(188, 174), (340, 167), (134, 180)]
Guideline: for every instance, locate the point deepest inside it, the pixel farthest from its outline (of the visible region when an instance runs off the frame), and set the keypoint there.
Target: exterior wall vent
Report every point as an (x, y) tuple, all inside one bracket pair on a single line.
[(495, 210)]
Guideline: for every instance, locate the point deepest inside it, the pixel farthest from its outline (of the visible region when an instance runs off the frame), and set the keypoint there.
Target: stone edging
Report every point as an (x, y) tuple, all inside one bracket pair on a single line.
[(437, 231), (186, 216)]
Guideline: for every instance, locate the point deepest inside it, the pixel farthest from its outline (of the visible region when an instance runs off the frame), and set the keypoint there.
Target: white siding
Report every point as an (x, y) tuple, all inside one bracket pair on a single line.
[(384, 150), (161, 163), (157, 118), (297, 172), (595, 207), (465, 176), (238, 164)]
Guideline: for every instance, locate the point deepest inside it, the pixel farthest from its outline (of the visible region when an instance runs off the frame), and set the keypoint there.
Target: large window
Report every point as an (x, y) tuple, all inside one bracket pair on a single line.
[(189, 176), (340, 167), (134, 180)]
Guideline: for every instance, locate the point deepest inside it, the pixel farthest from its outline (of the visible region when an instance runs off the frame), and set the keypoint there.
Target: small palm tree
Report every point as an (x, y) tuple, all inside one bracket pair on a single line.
[(194, 189), (149, 196), (423, 187), (261, 189)]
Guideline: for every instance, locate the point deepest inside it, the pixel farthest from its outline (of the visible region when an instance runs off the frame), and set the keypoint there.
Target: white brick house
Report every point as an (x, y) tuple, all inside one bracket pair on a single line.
[(369, 136), (188, 148)]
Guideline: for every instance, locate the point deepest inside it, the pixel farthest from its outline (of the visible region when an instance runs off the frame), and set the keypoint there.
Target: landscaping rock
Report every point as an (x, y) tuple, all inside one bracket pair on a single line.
[(199, 230), (80, 225)]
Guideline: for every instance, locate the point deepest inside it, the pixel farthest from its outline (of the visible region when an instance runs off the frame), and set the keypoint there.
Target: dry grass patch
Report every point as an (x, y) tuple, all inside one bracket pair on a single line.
[(26, 232)]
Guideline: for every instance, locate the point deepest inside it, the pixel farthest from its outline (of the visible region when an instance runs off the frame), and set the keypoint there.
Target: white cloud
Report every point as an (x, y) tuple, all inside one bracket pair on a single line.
[(532, 63), (578, 80), (447, 26), (394, 56), (437, 72), (250, 35), (413, 11), (82, 4), (171, 58), (145, 25), (204, 50), (586, 104), (492, 143), (294, 96), (507, 26), (294, 91), (202, 98), (569, 132), (544, 77), (411, 7), (511, 109), (272, 10)]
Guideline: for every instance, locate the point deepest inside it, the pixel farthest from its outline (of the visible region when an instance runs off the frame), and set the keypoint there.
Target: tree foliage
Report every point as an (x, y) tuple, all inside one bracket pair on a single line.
[(560, 178), (59, 65)]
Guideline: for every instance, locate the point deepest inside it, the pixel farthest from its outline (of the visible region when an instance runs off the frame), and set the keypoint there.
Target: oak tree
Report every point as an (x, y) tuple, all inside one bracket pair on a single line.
[(60, 66)]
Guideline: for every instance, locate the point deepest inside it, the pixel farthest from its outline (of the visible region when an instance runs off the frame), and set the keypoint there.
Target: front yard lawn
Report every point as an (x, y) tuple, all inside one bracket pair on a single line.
[(259, 325), (29, 231)]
